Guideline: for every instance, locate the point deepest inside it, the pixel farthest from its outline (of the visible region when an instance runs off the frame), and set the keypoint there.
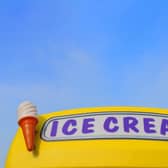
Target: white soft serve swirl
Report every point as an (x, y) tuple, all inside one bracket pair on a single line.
[(26, 109)]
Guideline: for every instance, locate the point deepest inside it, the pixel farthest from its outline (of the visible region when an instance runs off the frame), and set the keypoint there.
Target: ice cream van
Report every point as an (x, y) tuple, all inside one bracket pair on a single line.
[(112, 137)]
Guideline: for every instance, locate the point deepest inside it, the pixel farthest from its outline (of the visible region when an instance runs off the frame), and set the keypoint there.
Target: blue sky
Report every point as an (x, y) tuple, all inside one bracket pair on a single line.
[(64, 54)]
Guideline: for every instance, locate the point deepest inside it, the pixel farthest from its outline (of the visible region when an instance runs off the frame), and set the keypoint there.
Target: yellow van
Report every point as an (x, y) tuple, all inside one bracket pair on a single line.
[(123, 137)]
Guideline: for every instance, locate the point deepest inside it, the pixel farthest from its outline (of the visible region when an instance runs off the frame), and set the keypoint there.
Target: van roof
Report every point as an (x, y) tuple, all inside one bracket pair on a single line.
[(89, 152)]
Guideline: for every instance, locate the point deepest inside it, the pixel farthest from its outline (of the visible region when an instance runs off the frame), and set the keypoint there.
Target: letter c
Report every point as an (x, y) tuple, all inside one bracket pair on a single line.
[(108, 121), (66, 128)]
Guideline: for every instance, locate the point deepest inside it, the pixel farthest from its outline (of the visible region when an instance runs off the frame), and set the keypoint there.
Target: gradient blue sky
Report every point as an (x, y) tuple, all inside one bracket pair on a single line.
[(64, 54)]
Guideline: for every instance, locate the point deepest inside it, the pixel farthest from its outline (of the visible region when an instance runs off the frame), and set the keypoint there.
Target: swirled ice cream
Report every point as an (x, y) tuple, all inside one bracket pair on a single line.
[(26, 109)]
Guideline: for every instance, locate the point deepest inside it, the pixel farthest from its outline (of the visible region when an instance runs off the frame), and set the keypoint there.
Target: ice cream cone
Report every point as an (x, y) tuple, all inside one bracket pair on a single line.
[(28, 125), (27, 120)]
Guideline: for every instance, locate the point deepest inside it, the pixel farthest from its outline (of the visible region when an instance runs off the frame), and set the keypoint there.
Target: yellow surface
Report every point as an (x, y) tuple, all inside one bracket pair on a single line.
[(89, 153)]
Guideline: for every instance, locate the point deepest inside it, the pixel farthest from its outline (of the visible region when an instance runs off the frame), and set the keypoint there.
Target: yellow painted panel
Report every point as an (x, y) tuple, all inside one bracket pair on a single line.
[(99, 152)]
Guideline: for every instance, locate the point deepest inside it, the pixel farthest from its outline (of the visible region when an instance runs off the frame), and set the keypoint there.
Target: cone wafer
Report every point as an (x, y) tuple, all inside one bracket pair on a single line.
[(28, 125)]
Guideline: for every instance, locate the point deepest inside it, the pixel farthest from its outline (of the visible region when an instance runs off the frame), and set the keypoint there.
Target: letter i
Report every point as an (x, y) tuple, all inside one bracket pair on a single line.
[(54, 129)]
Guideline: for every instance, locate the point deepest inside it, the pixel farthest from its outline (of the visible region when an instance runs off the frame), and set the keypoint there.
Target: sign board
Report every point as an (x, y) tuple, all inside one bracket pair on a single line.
[(106, 125)]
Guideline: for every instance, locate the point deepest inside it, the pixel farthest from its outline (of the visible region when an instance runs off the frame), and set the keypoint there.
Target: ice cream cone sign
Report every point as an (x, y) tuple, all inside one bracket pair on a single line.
[(27, 120)]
